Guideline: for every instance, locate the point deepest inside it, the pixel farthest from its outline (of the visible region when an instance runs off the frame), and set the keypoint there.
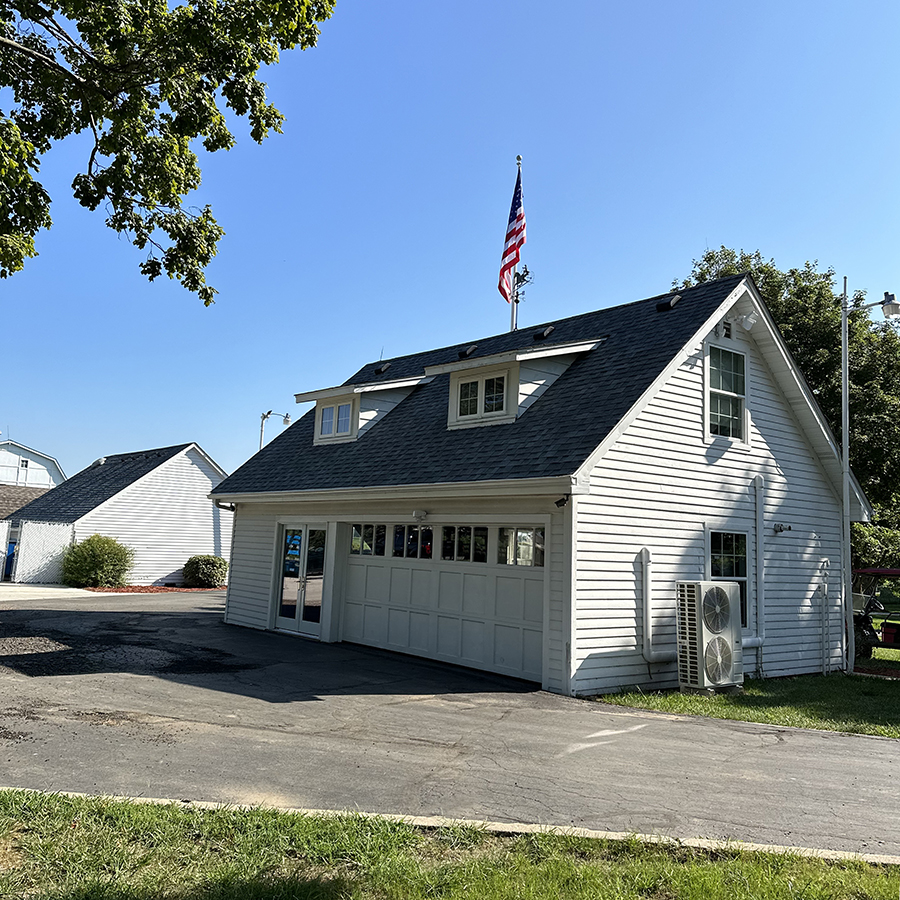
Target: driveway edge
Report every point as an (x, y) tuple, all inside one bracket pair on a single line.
[(510, 828)]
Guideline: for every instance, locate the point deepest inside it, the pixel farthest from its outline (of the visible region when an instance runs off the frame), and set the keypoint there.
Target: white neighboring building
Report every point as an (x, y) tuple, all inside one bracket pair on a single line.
[(24, 467), (155, 501), (528, 503)]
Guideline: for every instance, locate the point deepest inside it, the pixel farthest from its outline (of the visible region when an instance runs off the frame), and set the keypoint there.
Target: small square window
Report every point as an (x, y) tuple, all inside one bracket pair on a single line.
[(494, 394)]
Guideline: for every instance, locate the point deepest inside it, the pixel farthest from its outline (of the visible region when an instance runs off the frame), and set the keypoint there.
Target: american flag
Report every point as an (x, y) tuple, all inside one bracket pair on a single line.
[(515, 237)]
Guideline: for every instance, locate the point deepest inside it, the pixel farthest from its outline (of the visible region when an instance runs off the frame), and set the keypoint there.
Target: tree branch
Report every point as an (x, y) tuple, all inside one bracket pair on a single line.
[(51, 63)]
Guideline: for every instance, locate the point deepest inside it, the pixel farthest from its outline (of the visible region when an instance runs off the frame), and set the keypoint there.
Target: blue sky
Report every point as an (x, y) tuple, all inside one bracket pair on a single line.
[(374, 225)]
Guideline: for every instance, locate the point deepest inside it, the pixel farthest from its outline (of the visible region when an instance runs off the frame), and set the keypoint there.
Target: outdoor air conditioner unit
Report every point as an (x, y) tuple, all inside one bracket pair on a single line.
[(709, 634)]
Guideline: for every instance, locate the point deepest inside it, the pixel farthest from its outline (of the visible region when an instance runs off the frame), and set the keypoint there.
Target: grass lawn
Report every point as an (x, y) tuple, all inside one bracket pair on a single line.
[(831, 703), (883, 659), (79, 848)]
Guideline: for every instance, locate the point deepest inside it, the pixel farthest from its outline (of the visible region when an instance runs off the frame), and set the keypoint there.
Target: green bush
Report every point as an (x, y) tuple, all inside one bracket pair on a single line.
[(97, 561), (205, 571)]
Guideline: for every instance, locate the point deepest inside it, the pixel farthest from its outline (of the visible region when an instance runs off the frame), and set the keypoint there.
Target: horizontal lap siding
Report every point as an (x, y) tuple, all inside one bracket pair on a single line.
[(659, 486), (253, 556), (166, 517), (252, 568)]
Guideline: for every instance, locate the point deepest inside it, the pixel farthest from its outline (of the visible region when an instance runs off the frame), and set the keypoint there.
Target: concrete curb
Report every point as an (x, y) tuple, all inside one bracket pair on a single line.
[(507, 828)]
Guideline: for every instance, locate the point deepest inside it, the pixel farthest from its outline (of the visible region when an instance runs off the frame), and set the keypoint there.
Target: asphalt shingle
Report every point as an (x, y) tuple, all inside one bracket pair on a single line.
[(80, 494), (412, 444)]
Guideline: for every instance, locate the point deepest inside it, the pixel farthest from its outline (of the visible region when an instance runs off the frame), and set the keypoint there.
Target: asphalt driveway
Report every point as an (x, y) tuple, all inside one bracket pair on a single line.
[(152, 695)]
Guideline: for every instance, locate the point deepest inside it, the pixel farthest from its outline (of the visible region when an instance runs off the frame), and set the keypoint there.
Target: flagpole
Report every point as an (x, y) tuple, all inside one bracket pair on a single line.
[(514, 297)]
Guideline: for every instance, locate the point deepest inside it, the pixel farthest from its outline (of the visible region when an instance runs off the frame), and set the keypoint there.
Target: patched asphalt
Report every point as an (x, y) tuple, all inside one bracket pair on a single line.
[(152, 695)]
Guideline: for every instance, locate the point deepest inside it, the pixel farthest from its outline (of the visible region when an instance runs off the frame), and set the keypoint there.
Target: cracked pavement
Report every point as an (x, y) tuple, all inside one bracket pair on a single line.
[(152, 695)]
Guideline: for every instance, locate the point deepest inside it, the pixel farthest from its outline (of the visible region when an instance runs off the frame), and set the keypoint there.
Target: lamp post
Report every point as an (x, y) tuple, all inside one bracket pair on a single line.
[(262, 424), (891, 310)]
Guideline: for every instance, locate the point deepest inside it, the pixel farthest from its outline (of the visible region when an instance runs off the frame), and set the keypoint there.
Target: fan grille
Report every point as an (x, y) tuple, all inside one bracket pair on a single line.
[(718, 660), (716, 609)]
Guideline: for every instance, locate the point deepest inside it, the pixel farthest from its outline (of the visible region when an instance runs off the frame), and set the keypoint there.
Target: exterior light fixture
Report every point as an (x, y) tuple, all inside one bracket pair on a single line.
[(890, 307), (262, 425)]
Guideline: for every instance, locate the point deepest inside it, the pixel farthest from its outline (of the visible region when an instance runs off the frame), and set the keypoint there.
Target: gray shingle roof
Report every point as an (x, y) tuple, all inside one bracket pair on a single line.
[(13, 497), (412, 444), (72, 499)]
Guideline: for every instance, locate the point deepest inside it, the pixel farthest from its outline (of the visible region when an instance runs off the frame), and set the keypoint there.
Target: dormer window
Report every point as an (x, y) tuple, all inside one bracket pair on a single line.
[(479, 399), (337, 420)]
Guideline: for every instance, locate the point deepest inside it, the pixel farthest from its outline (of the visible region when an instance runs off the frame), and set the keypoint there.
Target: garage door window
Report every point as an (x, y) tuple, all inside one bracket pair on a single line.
[(413, 541), (368, 540), (464, 543), (521, 547)]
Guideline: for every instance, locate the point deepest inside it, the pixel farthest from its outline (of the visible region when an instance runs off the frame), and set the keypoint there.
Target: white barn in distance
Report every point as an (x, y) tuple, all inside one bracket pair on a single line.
[(154, 501), (24, 467), (533, 503)]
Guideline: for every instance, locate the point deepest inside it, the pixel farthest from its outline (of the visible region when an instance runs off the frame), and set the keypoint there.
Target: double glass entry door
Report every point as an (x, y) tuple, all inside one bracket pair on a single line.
[(302, 574)]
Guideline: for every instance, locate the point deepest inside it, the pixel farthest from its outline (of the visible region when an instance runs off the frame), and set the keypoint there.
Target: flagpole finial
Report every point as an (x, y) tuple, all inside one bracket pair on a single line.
[(519, 161)]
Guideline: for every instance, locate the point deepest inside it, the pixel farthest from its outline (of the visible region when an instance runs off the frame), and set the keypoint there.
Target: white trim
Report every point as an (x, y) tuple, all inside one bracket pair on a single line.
[(366, 387), (36, 453), (744, 442), (511, 356), (336, 403), (785, 373), (723, 526), (510, 374), (511, 487)]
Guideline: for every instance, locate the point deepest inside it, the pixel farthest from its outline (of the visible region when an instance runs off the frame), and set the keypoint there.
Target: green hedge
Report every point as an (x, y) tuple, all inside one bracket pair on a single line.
[(97, 561), (205, 571)]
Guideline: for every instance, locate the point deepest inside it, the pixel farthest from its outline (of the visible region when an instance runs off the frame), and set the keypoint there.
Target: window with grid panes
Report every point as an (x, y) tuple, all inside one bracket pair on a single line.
[(727, 393)]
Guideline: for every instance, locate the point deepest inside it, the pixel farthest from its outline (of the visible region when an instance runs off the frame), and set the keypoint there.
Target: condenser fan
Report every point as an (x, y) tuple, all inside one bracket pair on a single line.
[(716, 609), (717, 660)]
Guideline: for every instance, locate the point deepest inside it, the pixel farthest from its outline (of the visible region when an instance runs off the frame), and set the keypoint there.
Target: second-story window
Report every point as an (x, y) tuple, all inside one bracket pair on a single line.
[(335, 420), (727, 393), (482, 396)]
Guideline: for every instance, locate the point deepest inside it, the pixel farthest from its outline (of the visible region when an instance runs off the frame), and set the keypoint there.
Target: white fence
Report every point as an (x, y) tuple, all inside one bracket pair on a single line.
[(39, 552), (4, 545)]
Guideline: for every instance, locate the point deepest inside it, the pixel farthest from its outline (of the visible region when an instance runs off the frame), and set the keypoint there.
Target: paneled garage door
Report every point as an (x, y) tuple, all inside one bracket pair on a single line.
[(485, 616)]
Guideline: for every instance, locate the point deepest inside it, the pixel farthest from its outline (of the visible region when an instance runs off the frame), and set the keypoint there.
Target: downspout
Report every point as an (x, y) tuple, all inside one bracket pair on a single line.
[(228, 507), (756, 642), (651, 655)]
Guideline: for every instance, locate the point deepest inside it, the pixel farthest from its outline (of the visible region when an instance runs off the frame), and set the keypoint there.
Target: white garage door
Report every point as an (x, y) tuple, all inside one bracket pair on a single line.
[(472, 612)]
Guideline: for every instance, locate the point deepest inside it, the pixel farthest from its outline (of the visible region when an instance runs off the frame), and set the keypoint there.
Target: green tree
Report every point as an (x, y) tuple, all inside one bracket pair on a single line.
[(806, 306), (144, 78)]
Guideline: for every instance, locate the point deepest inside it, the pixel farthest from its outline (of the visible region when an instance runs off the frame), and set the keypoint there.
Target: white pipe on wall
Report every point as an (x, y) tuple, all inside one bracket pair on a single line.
[(651, 655)]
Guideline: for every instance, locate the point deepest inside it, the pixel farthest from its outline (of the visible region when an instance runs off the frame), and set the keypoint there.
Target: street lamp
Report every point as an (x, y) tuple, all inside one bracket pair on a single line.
[(262, 424), (891, 309)]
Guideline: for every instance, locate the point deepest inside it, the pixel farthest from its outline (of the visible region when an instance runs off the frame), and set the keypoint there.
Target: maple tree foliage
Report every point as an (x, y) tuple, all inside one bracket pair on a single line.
[(806, 306), (145, 80)]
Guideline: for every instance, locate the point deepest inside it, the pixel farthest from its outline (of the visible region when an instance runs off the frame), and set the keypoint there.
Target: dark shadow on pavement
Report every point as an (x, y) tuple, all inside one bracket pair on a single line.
[(193, 646)]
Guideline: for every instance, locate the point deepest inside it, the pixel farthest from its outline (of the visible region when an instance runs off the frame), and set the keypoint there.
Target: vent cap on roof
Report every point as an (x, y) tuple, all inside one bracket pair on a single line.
[(668, 303), (465, 354)]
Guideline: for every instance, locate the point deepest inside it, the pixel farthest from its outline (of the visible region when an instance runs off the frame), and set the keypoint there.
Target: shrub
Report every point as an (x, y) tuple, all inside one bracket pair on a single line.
[(97, 561), (205, 571)]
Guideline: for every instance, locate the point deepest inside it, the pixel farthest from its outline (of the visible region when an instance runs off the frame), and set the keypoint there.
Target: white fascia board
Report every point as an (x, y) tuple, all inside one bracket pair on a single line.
[(809, 414), (584, 470), (514, 487), (205, 455), (496, 359), (37, 453), (801, 398), (346, 390)]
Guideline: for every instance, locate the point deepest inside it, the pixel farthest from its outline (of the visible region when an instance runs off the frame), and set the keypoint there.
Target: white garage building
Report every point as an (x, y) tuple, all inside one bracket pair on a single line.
[(526, 503)]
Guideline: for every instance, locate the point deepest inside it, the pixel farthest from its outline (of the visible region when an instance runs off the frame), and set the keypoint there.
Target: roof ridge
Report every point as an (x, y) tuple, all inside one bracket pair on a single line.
[(538, 325)]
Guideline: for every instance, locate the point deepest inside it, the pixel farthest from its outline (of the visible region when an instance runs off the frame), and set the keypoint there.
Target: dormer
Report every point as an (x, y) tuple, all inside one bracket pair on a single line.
[(498, 388), (344, 413)]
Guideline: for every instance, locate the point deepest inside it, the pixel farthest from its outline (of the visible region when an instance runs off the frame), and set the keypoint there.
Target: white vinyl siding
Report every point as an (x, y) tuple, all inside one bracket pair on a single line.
[(166, 517), (254, 557), (661, 486), (536, 375)]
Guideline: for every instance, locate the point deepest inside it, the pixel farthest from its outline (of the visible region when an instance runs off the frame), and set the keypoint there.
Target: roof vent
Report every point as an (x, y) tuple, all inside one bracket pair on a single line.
[(465, 354), (664, 305), (542, 335), (382, 368), (100, 462)]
